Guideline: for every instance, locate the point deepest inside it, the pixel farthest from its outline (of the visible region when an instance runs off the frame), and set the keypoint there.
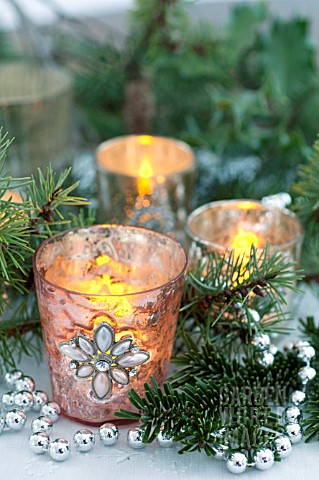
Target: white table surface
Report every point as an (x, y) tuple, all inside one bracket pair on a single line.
[(120, 462)]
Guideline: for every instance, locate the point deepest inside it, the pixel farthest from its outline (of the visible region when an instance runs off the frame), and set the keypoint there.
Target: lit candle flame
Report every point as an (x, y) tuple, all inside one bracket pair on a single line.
[(145, 173), (241, 245), (243, 241)]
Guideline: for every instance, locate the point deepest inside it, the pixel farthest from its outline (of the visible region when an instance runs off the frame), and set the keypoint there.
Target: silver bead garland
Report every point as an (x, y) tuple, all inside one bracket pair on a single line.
[(24, 396)]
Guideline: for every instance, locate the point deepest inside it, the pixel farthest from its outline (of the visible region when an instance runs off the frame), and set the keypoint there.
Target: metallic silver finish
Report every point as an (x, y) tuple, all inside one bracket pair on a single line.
[(12, 377), (165, 440), (7, 400), (254, 314), (108, 433), (39, 399), (59, 450), (135, 437), (42, 424), (39, 442), (236, 462), (282, 445), (25, 383), (294, 432), (306, 374), (266, 359), (298, 398), (273, 349), (84, 440), (51, 410), (23, 400), (306, 353), (261, 342), (292, 414), (220, 451), (264, 459), (104, 368), (15, 419)]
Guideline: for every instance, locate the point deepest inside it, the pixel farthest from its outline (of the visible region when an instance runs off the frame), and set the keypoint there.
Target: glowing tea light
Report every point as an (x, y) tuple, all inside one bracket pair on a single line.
[(145, 181), (108, 298), (243, 240), (232, 226)]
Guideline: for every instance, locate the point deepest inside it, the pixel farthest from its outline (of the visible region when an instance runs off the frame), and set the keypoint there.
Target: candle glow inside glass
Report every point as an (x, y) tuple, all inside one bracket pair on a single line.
[(145, 181), (109, 298)]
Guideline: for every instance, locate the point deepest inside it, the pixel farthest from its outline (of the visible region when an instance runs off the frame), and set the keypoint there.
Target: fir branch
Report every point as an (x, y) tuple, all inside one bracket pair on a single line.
[(271, 384), (221, 291), (23, 225), (307, 188), (311, 422), (200, 415)]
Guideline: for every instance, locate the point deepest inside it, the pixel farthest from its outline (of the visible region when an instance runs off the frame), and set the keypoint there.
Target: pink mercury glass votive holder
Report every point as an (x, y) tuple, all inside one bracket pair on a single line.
[(109, 299)]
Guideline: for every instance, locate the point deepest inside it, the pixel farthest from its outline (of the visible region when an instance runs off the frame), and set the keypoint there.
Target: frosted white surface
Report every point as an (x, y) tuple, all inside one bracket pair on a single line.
[(121, 462)]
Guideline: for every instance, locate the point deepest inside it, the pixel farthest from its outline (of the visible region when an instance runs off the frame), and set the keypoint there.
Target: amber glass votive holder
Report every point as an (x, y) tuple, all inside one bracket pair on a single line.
[(109, 298), (146, 181)]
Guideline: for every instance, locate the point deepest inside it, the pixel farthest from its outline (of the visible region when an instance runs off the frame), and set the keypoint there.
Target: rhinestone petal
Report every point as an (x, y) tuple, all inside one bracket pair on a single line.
[(104, 337), (86, 345), (133, 359), (102, 385), (120, 376), (121, 346), (85, 371), (74, 353)]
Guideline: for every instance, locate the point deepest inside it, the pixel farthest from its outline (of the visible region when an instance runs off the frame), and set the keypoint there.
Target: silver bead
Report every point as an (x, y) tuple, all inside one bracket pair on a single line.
[(42, 424), (294, 432), (306, 353), (39, 399), (108, 433), (25, 383), (84, 440), (23, 400), (273, 349), (266, 359), (306, 373), (261, 341), (2, 424), (12, 377), (292, 414), (220, 451), (39, 442), (7, 400), (59, 450), (236, 462), (51, 410), (264, 459), (165, 440), (282, 445), (298, 398), (15, 419), (135, 437), (254, 315)]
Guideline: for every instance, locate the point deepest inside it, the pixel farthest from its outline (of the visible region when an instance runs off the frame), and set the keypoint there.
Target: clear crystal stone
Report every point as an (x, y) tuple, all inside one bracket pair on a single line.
[(135, 349), (72, 365), (133, 373), (102, 366)]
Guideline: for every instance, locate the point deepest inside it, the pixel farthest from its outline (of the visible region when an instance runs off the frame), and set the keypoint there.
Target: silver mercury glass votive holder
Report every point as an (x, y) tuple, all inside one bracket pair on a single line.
[(145, 181)]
